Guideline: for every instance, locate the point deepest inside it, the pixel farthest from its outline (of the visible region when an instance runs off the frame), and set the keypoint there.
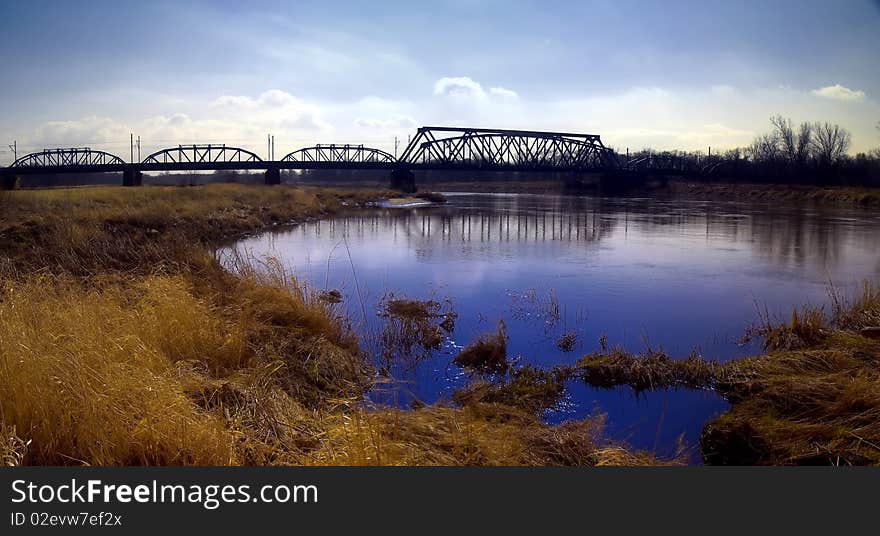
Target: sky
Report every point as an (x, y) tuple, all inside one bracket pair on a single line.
[(664, 75)]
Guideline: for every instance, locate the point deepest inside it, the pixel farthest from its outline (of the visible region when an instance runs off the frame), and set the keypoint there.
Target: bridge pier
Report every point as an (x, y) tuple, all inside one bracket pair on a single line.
[(132, 177), (8, 181), (273, 176), (403, 180)]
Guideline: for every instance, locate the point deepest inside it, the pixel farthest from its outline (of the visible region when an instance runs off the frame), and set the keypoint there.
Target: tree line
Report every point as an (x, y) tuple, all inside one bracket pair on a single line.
[(809, 153)]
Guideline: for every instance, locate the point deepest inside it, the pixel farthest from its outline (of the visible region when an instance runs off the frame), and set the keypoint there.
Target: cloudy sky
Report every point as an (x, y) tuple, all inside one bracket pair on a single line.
[(641, 74)]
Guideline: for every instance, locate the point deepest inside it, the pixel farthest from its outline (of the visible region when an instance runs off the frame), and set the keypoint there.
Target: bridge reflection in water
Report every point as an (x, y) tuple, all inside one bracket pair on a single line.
[(673, 274), (468, 226)]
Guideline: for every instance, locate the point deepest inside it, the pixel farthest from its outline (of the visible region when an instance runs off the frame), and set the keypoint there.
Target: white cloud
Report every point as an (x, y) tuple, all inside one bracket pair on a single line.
[(468, 88), (273, 109), (394, 122), (661, 118), (503, 93), (459, 86), (839, 92), (85, 131)]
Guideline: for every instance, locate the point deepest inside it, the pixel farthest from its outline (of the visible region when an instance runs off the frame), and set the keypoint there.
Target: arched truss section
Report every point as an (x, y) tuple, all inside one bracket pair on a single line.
[(446, 147), (201, 154), (73, 156), (339, 154)]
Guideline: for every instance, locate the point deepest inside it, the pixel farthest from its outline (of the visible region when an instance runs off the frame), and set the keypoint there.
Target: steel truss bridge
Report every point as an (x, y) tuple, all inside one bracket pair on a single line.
[(431, 149)]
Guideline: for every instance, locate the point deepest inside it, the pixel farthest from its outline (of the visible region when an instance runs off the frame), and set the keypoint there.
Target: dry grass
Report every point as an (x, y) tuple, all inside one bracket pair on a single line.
[(87, 376), (652, 370), (480, 434), (842, 195), (527, 388), (487, 354), (12, 448), (124, 342), (814, 398), (413, 328), (806, 328)]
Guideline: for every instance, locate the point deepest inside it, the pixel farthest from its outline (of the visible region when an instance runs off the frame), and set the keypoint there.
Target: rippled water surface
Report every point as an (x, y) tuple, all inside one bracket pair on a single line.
[(672, 275)]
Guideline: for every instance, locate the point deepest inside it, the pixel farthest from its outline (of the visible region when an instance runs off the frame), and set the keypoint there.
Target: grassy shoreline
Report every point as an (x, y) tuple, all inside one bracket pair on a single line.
[(680, 188), (813, 397), (793, 193), (124, 342)]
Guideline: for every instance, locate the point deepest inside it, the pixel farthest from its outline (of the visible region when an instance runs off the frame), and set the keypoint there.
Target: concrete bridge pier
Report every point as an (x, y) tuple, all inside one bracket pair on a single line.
[(403, 180), (132, 177), (273, 176)]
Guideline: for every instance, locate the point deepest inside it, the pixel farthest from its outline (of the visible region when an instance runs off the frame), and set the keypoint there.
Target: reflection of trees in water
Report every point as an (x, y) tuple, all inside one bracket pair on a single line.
[(788, 237), (785, 237), (804, 237)]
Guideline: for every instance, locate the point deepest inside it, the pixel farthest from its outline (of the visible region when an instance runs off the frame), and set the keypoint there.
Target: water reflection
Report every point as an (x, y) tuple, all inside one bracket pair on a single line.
[(676, 275)]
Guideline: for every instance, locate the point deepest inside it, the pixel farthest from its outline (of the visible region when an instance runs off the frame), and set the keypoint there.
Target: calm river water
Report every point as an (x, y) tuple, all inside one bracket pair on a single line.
[(675, 275)]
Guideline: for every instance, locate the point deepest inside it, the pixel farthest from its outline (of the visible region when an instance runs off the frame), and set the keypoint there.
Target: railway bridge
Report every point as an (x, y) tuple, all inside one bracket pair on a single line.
[(431, 149)]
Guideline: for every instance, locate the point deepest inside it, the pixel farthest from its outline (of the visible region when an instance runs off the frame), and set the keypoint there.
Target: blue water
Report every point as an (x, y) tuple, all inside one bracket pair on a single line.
[(680, 276)]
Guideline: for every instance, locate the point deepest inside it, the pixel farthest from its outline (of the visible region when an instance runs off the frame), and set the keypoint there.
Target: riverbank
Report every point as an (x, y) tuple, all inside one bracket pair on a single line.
[(677, 188), (124, 342), (812, 399), (789, 193)]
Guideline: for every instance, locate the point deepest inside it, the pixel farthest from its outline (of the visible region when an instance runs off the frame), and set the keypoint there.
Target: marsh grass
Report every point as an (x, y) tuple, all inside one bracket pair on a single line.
[(528, 388), (479, 434), (412, 329), (124, 341), (806, 327), (812, 398), (487, 354), (12, 448)]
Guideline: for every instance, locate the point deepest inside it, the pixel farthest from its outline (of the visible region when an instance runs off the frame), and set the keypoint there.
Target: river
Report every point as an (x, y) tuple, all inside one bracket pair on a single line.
[(676, 275)]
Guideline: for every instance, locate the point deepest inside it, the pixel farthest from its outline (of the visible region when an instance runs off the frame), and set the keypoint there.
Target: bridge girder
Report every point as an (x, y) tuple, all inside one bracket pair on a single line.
[(67, 158), (450, 148), (201, 154), (333, 153)]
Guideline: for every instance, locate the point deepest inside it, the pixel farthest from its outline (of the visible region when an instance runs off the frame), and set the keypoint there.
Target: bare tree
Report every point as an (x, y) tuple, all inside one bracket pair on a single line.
[(785, 136), (830, 142), (765, 148), (804, 143)]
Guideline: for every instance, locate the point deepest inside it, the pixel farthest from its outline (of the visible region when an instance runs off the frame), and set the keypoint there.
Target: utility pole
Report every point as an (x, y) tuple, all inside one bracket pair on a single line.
[(14, 148)]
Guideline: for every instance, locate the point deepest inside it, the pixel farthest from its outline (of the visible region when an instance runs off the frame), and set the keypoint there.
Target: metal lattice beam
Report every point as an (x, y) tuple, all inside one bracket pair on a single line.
[(201, 154), (348, 154), (67, 157), (501, 149)]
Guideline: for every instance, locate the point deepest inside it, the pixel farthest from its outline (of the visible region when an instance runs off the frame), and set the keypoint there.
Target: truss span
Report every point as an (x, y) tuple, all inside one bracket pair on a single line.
[(68, 157), (201, 154), (496, 149), (340, 154)]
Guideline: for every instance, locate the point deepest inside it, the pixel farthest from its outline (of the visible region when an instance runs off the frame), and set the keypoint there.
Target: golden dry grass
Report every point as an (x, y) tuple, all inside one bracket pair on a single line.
[(814, 398), (124, 342)]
